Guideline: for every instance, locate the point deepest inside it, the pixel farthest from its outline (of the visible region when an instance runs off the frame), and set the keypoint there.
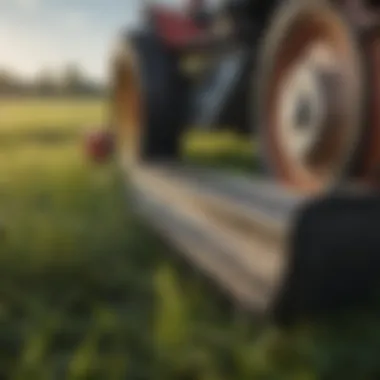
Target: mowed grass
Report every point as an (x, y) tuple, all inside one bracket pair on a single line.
[(88, 292)]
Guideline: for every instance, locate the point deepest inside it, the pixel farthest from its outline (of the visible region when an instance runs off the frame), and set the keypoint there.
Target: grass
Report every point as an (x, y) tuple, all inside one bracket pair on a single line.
[(224, 150), (88, 292)]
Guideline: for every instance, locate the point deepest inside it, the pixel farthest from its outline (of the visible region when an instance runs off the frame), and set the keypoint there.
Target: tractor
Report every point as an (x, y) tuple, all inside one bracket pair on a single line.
[(298, 76), (301, 78)]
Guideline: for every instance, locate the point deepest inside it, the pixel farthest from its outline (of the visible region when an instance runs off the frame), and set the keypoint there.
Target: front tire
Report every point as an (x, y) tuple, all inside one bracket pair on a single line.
[(148, 100)]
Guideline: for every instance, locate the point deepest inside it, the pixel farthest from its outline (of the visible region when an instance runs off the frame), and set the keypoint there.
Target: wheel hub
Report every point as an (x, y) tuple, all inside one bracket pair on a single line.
[(308, 103), (303, 114)]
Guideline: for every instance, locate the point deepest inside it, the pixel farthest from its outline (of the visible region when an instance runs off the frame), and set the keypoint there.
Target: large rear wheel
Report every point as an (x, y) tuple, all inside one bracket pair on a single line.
[(311, 96)]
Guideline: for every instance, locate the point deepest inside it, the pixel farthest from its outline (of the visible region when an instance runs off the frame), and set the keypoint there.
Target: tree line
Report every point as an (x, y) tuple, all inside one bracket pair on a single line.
[(71, 81)]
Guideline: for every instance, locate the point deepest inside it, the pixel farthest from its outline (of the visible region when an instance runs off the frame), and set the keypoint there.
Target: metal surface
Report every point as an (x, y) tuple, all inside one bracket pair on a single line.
[(218, 88), (233, 228)]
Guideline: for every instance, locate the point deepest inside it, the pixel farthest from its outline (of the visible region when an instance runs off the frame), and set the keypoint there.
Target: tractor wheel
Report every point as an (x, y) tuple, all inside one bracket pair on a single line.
[(148, 101), (311, 96)]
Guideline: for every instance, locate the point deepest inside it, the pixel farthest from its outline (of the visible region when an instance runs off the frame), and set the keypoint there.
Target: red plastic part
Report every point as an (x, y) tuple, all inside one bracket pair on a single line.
[(176, 29), (99, 146)]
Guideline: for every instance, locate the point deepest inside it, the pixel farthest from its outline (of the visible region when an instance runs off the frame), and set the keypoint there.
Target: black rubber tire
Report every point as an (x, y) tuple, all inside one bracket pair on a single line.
[(334, 261), (163, 96)]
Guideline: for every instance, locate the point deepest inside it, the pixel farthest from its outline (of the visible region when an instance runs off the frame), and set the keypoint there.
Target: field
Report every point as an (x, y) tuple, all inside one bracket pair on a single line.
[(88, 292)]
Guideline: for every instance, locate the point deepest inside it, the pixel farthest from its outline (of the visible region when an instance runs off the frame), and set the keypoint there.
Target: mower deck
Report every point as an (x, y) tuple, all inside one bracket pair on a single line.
[(231, 227)]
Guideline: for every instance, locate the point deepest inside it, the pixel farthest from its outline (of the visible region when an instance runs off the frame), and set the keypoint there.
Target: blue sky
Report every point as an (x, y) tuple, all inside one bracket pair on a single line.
[(37, 34)]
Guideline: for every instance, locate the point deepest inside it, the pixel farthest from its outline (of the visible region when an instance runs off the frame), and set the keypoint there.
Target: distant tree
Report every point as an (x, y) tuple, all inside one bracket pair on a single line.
[(45, 82), (73, 80), (8, 82)]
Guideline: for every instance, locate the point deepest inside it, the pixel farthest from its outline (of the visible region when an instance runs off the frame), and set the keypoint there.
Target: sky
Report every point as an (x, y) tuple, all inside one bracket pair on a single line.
[(46, 34)]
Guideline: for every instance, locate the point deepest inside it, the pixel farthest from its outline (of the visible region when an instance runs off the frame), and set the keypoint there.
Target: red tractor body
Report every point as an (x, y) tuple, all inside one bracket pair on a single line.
[(176, 29)]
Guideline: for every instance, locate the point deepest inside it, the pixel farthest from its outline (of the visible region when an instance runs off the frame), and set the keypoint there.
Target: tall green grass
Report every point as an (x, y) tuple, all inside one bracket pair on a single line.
[(88, 292)]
